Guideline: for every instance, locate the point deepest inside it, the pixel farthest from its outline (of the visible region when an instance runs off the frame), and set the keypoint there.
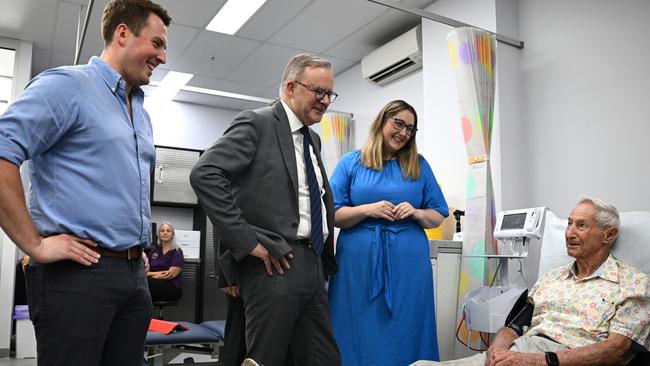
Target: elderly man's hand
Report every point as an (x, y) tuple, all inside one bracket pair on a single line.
[(492, 352), (511, 358), (500, 345)]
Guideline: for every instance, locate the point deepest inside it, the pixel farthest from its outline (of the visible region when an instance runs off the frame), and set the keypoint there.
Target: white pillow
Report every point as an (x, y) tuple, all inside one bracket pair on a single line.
[(632, 245)]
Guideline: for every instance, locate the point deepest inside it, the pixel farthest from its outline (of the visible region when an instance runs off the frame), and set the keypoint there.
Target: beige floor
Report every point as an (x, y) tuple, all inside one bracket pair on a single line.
[(17, 362)]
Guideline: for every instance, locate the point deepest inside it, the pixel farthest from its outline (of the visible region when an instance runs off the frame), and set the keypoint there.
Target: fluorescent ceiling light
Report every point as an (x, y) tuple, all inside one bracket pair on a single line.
[(171, 84), (233, 15), (175, 79), (226, 94), (216, 93)]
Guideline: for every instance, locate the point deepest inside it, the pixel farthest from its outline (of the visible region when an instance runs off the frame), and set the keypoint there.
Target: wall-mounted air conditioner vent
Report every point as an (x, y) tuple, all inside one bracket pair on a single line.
[(395, 59)]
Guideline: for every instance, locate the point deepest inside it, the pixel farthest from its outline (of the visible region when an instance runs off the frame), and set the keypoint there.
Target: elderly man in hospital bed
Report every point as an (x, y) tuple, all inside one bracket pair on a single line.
[(592, 311)]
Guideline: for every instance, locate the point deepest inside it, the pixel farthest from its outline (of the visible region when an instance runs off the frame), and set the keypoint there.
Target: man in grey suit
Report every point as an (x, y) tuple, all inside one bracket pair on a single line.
[(263, 186)]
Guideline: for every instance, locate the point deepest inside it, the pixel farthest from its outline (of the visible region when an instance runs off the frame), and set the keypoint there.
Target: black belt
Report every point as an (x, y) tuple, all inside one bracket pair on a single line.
[(130, 254), (303, 242)]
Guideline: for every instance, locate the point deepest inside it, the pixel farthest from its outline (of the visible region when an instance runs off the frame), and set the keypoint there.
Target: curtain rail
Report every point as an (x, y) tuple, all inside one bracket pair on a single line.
[(444, 20)]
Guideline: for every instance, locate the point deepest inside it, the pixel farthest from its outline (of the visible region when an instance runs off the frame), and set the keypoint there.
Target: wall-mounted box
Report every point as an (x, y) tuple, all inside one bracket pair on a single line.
[(171, 177)]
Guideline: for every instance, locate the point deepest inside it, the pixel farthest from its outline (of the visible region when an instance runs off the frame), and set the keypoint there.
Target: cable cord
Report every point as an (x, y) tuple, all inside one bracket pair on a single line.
[(481, 334)]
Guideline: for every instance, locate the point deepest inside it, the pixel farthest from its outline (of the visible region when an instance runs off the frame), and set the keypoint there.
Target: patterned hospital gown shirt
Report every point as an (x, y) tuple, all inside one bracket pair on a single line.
[(576, 313)]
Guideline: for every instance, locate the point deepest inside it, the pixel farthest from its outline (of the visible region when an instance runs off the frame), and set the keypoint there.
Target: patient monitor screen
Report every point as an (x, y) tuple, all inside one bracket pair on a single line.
[(514, 221)]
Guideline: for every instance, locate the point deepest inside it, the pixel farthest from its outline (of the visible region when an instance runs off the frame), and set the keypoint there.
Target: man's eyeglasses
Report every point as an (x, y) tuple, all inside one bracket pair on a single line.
[(320, 93), (400, 125)]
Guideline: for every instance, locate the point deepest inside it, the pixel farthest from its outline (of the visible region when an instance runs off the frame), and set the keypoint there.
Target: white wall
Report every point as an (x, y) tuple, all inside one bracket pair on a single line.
[(432, 91), (8, 250), (364, 99), (508, 136), (570, 117), (446, 152), (569, 112), (585, 76), (184, 125), (187, 125)]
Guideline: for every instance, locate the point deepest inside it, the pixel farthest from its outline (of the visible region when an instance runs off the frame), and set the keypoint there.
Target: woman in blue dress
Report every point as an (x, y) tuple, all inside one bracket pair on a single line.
[(381, 299)]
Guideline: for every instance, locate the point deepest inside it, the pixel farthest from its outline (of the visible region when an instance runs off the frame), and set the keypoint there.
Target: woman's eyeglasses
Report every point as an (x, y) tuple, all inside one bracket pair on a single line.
[(400, 125)]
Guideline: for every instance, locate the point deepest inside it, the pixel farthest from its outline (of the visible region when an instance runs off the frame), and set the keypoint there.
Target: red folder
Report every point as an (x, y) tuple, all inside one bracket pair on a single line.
[(165, 327)]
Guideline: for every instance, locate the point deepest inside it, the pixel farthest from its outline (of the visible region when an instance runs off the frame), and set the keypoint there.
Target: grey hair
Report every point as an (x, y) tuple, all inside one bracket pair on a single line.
[(174, 246), (606, 215), (297, 65)]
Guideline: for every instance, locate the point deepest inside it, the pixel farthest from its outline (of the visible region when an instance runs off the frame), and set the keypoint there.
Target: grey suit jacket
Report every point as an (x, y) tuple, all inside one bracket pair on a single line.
[(247, 183)]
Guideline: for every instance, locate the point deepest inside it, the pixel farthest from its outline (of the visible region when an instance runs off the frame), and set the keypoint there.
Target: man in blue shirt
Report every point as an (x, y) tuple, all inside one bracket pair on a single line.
[(90, 146)]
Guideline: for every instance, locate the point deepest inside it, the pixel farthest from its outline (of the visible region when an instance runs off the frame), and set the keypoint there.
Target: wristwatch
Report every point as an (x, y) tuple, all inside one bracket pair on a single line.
[(551, 359)]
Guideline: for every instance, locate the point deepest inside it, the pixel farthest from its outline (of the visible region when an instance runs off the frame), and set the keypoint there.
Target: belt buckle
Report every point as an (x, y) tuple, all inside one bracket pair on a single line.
[(128, 253)]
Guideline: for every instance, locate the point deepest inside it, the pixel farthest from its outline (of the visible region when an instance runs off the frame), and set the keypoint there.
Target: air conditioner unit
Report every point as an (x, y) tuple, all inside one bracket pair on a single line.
[(395, 59)]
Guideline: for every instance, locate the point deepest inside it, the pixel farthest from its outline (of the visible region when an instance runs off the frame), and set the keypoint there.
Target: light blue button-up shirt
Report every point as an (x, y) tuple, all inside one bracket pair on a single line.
[(90, 165)]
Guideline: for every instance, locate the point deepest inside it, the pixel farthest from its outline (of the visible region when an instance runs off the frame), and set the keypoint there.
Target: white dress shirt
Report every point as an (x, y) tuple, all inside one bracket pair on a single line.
[(304, 227)]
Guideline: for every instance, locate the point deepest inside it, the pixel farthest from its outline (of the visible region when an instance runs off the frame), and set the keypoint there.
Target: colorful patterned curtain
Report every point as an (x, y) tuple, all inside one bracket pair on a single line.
[(336, 138), (473, 57)]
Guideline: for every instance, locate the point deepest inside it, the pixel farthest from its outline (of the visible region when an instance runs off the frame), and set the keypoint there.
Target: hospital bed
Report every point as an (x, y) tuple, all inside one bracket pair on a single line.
[(204, 338)]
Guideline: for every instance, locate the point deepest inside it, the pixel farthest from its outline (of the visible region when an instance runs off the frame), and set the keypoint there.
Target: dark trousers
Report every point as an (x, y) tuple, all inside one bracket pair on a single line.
[(289, 310), (97, 315), (163, 290), (234, 348)]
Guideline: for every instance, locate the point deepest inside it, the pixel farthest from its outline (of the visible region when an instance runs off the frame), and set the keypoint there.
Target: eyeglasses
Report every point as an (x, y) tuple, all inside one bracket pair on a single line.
[(320, 93), (400, 125)]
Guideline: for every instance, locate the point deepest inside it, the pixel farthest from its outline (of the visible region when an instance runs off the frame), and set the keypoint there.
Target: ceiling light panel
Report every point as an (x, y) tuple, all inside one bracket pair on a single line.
[(170, 85), (233, 15)]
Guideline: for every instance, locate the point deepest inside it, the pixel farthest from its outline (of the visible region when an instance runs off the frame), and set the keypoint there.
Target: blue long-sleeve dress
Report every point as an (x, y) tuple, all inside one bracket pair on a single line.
[(381, 299)]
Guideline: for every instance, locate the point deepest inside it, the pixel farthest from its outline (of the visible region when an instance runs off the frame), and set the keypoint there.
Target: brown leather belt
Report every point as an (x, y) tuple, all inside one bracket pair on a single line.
[(130, 254)]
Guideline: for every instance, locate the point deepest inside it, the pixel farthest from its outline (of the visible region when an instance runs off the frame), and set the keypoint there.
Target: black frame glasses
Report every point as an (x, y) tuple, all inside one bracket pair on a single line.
[(400, 124), (320, 93)]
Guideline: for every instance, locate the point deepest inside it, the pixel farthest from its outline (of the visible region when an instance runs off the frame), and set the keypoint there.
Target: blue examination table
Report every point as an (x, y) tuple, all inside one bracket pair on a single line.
[(204, 338)]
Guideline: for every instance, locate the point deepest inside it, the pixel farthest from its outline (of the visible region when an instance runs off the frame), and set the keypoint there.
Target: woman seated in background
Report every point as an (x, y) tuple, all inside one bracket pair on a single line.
[(165, 266), (381, 299)]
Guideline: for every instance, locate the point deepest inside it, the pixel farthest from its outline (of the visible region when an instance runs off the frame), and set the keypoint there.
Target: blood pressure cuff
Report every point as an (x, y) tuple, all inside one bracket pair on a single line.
[(521, 314)]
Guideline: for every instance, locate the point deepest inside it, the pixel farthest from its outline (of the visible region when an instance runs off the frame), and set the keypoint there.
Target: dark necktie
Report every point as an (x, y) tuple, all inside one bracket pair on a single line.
[(314, 195)]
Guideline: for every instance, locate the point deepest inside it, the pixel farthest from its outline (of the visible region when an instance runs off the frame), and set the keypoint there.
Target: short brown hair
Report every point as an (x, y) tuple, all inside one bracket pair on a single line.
[(133, 13)]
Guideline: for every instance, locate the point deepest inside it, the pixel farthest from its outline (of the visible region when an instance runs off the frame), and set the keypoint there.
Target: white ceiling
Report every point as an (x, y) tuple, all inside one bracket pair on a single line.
[(250, 62)]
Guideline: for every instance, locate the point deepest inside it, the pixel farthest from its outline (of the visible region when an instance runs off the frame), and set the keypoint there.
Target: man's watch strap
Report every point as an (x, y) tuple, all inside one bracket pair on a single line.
[(551, 359)]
